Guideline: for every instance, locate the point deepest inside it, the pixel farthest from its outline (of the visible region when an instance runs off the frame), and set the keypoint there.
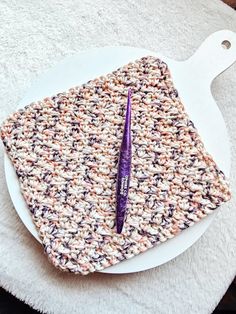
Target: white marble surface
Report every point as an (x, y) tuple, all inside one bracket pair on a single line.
[(35, 35)]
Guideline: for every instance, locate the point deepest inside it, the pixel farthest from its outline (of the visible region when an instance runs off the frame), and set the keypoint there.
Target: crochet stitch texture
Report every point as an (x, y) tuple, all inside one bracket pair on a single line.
[(65, 152)]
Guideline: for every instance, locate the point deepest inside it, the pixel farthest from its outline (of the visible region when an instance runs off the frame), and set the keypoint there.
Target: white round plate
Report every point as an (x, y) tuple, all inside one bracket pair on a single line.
[(198, 102)]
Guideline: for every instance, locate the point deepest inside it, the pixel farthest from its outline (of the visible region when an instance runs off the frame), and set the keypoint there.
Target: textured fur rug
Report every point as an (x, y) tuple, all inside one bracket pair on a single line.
[(34, 35)]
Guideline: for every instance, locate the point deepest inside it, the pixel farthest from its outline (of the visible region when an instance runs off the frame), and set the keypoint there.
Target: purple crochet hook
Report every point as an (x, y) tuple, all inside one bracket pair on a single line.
[(124, 169)]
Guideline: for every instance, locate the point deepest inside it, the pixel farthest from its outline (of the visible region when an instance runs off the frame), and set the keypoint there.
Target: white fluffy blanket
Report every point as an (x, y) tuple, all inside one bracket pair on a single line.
[(34, 35)]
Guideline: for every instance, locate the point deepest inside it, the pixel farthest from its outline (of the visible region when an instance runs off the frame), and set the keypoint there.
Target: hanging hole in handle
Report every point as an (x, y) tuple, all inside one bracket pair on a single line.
[(226, 44)]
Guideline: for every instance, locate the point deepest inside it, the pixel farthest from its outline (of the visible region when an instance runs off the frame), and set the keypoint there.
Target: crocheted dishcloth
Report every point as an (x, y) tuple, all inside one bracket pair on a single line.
[(65, 152)]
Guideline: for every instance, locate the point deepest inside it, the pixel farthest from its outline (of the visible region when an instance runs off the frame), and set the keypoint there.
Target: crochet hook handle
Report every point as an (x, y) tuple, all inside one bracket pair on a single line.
[(124, 169)]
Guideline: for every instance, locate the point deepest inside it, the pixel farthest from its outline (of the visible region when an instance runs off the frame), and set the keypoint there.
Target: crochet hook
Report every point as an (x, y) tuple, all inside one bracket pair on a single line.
[(124, 169)]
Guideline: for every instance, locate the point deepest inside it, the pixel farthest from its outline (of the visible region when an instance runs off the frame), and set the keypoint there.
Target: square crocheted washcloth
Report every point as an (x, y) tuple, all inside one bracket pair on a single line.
[(65, 151)]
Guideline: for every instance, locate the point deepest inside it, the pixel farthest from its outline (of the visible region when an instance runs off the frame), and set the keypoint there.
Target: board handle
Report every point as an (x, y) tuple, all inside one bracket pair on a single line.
[(216, 54)]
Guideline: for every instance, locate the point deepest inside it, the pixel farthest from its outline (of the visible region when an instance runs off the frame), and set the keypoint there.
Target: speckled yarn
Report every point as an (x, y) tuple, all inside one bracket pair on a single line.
[(65, 151)]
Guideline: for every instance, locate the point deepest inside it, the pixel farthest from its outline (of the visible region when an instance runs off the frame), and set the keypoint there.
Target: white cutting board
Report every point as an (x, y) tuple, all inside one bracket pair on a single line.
[(192, 78)]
